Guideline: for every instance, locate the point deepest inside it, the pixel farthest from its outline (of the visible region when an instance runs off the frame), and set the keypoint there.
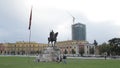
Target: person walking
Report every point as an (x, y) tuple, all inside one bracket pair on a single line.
[(64, 59), (105, 55)]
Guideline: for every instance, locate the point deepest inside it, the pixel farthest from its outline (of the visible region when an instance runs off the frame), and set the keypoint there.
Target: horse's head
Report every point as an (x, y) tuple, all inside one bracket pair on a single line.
[(56, 34)]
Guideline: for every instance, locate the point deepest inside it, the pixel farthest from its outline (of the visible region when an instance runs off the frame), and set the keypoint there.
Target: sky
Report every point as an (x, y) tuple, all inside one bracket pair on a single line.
[(101, 17)]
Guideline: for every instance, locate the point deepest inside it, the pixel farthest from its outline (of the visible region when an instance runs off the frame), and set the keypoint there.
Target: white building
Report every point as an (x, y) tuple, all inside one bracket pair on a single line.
[(80, 47)]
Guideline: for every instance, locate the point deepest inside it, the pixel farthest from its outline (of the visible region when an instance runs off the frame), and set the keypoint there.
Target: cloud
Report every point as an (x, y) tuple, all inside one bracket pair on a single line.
[(102, 31), (101, 18)]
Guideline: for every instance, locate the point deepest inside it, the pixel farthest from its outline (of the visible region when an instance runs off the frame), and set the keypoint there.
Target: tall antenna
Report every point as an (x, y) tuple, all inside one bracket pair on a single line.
[(71, 16)]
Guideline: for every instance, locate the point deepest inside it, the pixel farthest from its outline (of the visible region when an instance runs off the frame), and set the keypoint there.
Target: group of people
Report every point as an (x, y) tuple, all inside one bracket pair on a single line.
[(61, 59), (58, 59)]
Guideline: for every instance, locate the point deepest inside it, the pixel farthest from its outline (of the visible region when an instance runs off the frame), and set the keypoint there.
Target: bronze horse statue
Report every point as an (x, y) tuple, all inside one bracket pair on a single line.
[(52, 38)]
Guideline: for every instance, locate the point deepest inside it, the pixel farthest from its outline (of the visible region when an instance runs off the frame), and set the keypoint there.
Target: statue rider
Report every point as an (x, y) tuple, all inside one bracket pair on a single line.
[(51, 35)]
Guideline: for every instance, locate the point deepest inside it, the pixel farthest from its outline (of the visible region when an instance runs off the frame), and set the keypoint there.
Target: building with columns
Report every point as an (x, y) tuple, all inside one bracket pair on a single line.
[(21, 48), (2, 48), (76, 47), (66, 47)]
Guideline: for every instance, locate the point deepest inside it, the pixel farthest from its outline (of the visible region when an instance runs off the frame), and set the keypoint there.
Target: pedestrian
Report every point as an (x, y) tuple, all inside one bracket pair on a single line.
[(64, 59), (37, 58), (105, 55)]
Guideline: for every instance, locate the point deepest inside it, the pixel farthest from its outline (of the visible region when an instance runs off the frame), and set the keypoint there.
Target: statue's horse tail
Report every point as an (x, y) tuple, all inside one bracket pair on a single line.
[(48, 40)]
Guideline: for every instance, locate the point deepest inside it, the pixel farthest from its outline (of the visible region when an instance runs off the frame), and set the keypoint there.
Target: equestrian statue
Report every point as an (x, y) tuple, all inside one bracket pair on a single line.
[(52, 38)]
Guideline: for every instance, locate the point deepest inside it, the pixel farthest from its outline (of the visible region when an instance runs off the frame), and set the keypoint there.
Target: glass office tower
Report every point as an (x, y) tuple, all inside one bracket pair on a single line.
[(79, 31)]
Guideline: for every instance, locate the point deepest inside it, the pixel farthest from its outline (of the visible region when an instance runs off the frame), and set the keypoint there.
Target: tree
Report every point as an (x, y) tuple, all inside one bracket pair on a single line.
[(81, 51), (114, 41), (38, 52), (73, 52), (104, 48), (115, 46)]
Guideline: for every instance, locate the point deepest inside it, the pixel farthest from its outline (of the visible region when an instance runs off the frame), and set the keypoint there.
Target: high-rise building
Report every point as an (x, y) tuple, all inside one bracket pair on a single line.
[(79, 31)]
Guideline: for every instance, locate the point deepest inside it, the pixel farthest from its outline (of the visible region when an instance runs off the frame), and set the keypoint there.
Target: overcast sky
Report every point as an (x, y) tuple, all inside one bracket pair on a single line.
[(102, 19)]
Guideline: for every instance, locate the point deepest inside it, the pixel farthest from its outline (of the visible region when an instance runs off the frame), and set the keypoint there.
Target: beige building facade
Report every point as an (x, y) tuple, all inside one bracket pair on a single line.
[(66, 47), (76, 47), (21, 48)]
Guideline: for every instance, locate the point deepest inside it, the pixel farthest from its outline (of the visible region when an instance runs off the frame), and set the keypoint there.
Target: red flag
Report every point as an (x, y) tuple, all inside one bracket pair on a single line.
[(30, 19)]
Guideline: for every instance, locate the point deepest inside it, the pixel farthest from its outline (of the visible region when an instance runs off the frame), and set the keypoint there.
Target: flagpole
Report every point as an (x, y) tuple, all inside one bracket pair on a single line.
[(29, 28), (29, 48), (29, 41)]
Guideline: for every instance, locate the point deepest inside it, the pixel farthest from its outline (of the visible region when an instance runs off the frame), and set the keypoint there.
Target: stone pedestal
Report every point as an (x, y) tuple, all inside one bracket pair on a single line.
[(49, 54)]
